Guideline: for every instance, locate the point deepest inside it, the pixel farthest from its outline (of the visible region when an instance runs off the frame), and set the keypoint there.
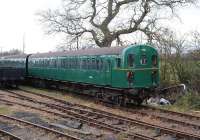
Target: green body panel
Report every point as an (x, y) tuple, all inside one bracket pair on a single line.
[(75, 75), (107, 74)]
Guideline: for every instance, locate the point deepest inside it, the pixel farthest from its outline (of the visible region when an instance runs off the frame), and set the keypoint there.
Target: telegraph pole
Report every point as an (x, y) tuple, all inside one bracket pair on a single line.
[(24, 43), (77, 42), (1, 50)]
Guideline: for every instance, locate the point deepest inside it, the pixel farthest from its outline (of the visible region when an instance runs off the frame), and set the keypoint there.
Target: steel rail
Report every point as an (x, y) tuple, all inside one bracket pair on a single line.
[(40, 127), (165, 118), (128, 120), (143, 107), (189, 116), (12, 136), (92, 122)]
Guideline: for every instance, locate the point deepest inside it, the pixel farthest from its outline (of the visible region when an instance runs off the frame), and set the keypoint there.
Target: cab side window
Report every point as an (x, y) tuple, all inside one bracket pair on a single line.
[(143, 60), (154, 60), (118, 62), (130, 60)]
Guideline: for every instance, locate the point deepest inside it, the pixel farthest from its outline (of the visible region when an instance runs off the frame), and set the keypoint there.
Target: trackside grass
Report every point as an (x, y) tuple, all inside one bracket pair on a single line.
[(5, 110), (190, 101)]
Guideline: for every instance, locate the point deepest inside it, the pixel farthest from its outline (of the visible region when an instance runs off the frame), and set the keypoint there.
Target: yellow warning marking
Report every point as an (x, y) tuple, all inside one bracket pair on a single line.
[(139, 69)]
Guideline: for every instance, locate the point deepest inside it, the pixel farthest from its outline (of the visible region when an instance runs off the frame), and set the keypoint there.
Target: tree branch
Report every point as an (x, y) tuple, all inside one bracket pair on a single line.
[(137, 22), (104, 20), (94, 14)]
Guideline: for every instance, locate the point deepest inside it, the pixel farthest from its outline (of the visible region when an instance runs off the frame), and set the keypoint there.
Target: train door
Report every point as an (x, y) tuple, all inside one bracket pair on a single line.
[(154, 75), (108, 70), (130, 66), (27, 64)]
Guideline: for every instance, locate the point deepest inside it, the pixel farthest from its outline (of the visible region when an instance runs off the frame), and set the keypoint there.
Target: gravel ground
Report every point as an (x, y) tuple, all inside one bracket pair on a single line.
[(74, 127), (63, 125), (87, 102)]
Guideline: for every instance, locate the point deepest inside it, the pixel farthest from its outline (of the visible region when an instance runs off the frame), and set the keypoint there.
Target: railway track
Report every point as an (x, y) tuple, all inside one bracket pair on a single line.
[(75, 110), (78, 117), (189, 116), (167, 115), (144, 110), (33, 125), (8, 136)]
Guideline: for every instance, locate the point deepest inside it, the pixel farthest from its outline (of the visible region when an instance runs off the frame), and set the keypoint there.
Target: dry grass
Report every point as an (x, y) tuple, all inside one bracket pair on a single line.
[(73, 98), (5, 110), (70, 97), (122, 136), (188, 103)]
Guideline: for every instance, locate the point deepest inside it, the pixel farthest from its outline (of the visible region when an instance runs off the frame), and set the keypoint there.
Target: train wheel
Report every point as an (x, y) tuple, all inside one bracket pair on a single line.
[(139, 101), (123, 101), (120, 101)]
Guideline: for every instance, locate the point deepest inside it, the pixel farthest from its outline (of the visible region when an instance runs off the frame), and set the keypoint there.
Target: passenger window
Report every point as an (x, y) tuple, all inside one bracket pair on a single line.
[(70, 63), (107, 65), (77, 63), (93, 63), (154, 60), (101, 65), (130, 60), (97, 64), (67, 63), (143, 59), (48, 63), (88, 63), (61, 63), (84, 64), (73, 63), (118, 62), (53, 63)]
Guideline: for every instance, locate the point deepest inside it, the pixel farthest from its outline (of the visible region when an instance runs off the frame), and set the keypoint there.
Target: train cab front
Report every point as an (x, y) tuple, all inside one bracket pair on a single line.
[(142, 68)]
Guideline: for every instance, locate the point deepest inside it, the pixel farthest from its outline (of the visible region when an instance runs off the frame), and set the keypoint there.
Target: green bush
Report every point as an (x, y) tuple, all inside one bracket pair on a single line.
[(191, 100), (182, 71)]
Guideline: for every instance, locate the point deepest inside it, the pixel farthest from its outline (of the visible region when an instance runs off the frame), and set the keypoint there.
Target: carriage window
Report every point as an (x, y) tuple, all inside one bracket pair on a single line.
[(58, 63), (67, 63), (118, 62), (84, 64), (143, 59), (130, 60), (101, 65), (93, 63), (107, 65), (97, 64), (62, 63), (154, 60), (73, 63), (53, 63), (78, 63), (88, 63), (70, 63)]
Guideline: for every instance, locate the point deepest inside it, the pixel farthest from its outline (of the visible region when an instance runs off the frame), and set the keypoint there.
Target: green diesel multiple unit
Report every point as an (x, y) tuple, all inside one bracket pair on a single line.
[(133, 71), (117, 74)]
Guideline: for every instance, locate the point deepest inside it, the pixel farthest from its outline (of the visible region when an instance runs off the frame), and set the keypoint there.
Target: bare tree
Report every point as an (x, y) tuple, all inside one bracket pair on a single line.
[(12, 52), (172, 49), (196, 39), (106, 21), (195, 45)]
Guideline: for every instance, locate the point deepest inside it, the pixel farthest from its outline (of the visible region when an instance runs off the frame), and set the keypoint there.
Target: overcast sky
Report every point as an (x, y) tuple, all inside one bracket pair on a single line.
[(18, 18)]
